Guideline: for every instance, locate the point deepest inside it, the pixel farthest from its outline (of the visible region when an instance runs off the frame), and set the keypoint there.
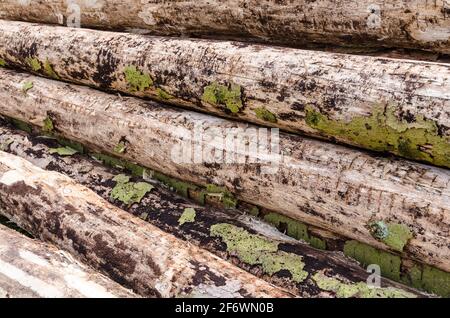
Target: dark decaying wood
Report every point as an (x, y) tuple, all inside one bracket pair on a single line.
[(29, 268), (381, 104), (396, 23), (132, 252), (164, 209), (336, 188)]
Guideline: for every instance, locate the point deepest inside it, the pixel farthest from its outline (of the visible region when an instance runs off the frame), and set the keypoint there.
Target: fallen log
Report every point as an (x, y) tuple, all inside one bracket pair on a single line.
[(134, 253), (390, 204), (411, 24), (380, 104), (165, 210), (29, 268)]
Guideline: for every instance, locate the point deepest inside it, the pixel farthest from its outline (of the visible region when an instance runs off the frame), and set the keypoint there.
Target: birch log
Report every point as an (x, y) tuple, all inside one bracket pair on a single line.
[(165, 209), (329, 186), (29, 269), (132, 252), (398, 23), (381, 104)]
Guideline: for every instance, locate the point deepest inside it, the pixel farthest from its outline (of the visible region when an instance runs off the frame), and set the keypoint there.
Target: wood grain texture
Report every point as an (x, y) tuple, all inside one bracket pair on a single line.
[(398, 23), (134, 253), (380, 104), (330, 186), (29, 268)]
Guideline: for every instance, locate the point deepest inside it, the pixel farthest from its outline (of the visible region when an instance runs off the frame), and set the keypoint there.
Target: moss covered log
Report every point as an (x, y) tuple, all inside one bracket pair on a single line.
[(336, 188), (411, 24), (228, 233), (151, 262), (385, 105), (29, 268)]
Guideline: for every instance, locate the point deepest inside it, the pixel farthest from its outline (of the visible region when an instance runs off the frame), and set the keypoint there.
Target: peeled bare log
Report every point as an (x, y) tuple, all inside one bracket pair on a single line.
[(411, 24), (29, 268), (376, 103), (336, 188), (140, 256), (164, 210)]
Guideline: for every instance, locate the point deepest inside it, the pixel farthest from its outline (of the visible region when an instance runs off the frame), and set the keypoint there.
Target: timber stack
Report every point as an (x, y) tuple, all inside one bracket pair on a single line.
[(235, 148)]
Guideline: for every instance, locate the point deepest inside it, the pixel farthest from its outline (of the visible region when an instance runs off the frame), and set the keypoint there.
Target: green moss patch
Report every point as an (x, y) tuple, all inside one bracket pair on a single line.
[(129, 192), (188, 216), (227, 198), (253, 249), (63, 151), (382, 131), (358, 290), (227, 96), (394, 235), (3, 63), (389, 264), (263, 114), (34, 63), (162, 94), (294, 229), (48, 70), (120, 147), (21, 125), (48, 126), (26, 86), (137, 81)]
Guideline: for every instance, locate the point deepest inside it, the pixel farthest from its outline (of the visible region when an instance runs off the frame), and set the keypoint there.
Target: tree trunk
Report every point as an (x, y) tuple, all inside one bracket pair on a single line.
[(336, 188), (29, 268), (132, 252), (380, 104), (164, 210), (410, 24)]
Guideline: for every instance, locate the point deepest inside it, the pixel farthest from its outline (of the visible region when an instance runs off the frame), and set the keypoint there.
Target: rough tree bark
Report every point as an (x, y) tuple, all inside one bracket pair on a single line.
[(134, 253), (333, 187), (164, 210), (29, 268), (376, 103), (411, 24)]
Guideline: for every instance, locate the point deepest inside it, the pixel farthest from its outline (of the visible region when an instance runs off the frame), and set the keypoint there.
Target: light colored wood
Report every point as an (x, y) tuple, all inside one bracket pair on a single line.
[(396, 23), (29, 268), (333, 187), (301, 90), (162, 207), (134, 253)]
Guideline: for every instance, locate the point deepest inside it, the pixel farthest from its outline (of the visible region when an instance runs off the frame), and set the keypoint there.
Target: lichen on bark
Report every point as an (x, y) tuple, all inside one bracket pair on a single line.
[(137, 80), (254, 249), (383, 131), (129, 192), (229, 96)]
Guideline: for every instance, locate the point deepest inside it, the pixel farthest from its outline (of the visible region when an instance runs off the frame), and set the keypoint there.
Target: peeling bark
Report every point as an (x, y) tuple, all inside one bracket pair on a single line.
[(375, 103), (164, 209), (336, 188), (29, 268), (134, 253), (410, 24)]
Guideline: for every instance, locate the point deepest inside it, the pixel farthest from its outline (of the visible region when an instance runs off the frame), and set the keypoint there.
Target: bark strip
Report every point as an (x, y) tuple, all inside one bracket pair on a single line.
[(411, 24), (132, 252), (385, 105), (352, 193), (29, 268), (165, 209)]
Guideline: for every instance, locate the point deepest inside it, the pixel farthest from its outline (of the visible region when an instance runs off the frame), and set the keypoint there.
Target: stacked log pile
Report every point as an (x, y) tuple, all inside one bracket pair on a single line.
[(342, 152)]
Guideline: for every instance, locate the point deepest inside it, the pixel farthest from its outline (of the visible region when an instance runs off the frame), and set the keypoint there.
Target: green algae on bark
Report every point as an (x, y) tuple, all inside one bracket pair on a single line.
[(263, 114), (188, 216), (120, 147), (3, 63), (26, 86), (129, 192), (162, 94), (48, 126), (383, 131), (137, 80), (389, 264), (294, 229), (223, 194), (254, 249), (358, 290), (221, 95), (394, 235)]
